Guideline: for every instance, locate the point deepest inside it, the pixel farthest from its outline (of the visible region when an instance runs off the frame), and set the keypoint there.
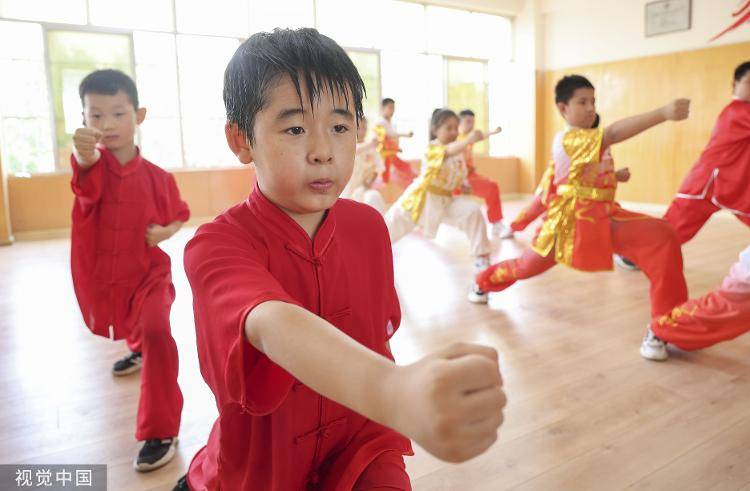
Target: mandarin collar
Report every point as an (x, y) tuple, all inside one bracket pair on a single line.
[(131, 166), (283, 226)]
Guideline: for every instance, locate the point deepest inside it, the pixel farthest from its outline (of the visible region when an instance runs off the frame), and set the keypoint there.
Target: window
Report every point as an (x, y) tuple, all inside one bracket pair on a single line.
[(265, 15), (406, 31), (424, 57), (341, 20), (130, 14), (467, 89), (63, 11), (25, 125), (221, 18), (72, 56), (368, 66), (416, 96), (158, 91), (202, 61)]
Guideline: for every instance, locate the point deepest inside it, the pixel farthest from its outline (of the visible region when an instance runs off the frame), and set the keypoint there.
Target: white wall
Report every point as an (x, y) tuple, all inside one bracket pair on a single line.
[(502, 7), (582, 32)]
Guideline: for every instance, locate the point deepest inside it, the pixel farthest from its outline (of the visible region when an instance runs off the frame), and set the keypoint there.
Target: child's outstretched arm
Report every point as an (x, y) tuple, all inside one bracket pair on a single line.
[(449, 402), (458, 147), (365, 146), (623, 129)]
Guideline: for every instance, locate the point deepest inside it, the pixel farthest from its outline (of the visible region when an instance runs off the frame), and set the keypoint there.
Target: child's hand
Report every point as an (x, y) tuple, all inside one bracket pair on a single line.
[(84, 145), (476, 135), (677, 110), (622, 175), (451, 402), (495, 131), (410, 134), (156, 233)]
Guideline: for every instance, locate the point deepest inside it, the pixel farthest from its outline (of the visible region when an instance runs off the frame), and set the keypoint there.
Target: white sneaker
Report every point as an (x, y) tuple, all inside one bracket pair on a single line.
[(502, 231), (625, 263), (476, 295), (653, 348)]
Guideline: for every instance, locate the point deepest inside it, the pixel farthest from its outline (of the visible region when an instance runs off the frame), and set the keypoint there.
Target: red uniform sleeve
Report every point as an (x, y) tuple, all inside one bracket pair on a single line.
[(86, 184), (739, 122), (229, 278), (394, 321), (176, 208)]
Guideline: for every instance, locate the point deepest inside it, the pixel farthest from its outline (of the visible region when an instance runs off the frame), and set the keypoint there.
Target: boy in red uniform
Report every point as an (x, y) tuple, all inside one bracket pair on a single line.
[(295, 303), (719, 315), (482, 186), (388, 147), (721, 177), (584, 225), (124, 207)]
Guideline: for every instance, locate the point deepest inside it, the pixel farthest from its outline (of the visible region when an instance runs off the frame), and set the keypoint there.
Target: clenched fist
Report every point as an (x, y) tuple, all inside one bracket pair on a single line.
[(84, 146), (451, 402), (677, 110)]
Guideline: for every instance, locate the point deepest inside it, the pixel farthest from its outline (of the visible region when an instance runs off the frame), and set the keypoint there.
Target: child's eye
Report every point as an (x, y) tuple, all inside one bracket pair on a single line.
[(340, 128), (296, 130), (119, 115)]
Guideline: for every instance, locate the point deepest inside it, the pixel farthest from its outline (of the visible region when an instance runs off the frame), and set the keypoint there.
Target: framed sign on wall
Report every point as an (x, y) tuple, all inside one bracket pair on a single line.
[(665, 16)]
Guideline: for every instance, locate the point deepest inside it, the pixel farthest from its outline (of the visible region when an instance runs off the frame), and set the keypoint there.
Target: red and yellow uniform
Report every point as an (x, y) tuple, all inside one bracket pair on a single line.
[(538, 206), (717, 316), (389, 149), (483, 187), (584, 226)]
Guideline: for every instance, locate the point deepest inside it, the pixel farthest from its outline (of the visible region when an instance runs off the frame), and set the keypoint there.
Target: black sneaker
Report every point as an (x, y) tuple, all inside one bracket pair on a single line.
[(182, 484), (625, 263), (129, 364), (155, 454)]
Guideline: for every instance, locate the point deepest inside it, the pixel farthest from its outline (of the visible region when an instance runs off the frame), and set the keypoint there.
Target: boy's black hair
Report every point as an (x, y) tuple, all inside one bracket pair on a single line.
[(567, 86), (304, 55), (109, 82), (386, 101), (466, 112), (741, 70), (438, 118)]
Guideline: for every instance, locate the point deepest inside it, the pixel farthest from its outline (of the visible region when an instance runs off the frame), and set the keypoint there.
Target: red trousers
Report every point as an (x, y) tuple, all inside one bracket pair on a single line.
[(160, 403), (529, 214), (651, 244), (489, 191), (687, 216), (702, 322), (403, 174)]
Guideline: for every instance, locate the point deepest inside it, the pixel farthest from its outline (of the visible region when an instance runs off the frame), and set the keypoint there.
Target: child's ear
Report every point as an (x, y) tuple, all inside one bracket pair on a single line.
[(238, 143), (561, 106), (140, 115)]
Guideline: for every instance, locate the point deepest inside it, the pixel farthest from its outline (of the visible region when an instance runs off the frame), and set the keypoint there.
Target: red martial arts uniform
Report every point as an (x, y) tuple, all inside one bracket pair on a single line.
[(584, 226), (719, 315), (538, 206), (389, 149), (483, 187), (720, 178), (123, 286), (274, 433)]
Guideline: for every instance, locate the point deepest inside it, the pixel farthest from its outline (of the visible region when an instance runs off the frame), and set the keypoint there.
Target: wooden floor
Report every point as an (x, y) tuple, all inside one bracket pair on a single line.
[(585, 411)]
